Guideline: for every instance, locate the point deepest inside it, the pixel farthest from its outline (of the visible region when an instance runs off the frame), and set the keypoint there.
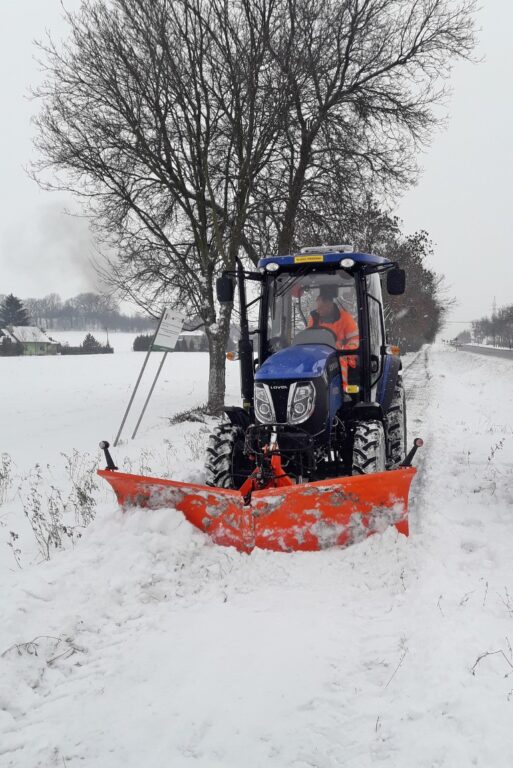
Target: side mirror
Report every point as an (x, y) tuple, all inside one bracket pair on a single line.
[(396, 281), (225, 289)]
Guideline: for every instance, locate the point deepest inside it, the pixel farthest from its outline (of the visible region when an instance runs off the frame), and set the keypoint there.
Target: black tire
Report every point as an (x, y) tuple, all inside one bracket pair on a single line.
[(369, 448), (395, 427), (225, 463)]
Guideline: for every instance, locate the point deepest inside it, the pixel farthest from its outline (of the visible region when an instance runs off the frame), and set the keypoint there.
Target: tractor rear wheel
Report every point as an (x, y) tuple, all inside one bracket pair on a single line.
[(369, 448), (395, 426), (226, 466)]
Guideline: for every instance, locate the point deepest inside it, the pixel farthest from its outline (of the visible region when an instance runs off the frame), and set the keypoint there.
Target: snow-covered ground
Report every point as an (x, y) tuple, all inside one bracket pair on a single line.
[(142, 644)]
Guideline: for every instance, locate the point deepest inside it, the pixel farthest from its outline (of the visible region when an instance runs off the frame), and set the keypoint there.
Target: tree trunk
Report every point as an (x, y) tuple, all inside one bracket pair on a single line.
[(217, 336), (288, 223)]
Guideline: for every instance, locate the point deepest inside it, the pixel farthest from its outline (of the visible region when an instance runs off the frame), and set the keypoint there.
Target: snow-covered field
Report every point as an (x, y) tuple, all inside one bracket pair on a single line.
[(142, 644), (121, 342)]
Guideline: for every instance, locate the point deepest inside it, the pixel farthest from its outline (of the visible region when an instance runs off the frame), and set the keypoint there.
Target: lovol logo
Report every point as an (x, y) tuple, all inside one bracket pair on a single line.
[(278, 386)]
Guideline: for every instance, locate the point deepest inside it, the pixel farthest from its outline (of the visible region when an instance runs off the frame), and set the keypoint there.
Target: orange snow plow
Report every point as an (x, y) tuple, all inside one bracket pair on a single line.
[(305, 517)]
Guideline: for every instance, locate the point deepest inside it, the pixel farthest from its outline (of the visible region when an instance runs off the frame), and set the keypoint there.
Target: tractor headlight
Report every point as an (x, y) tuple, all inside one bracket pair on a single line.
[(301, 402), (264, 408)]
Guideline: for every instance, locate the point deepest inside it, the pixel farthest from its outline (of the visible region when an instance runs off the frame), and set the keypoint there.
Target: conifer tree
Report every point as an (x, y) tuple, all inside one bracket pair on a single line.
[(12, 312), (91, 345)]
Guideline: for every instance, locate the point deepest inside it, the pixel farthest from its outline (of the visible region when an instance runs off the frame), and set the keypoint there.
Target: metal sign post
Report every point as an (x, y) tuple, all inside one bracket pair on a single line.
[(165, 338), (149, 394)]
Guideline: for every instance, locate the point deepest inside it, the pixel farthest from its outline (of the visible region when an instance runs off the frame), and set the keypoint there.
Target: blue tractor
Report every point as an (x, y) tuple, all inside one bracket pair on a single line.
[(315, 457), (327, 408)]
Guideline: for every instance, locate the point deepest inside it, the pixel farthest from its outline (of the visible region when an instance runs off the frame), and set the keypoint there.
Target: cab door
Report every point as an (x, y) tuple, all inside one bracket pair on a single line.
[(377, 341)]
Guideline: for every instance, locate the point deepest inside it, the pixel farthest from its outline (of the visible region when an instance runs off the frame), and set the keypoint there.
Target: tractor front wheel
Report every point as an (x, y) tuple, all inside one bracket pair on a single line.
[(226, 466), (369, 448)]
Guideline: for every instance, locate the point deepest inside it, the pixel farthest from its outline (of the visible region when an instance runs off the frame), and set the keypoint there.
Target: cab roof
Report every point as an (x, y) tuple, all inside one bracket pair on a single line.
[(331, 257)]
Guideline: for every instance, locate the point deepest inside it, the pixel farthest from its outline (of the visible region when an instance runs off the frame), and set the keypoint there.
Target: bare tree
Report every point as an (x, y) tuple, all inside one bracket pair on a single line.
[(161, 113), (36, 310), (498, 328), (46, 310), (363, 76)]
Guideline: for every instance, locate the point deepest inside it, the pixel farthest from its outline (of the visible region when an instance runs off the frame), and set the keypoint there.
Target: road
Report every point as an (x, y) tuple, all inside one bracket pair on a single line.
[(493, 351)]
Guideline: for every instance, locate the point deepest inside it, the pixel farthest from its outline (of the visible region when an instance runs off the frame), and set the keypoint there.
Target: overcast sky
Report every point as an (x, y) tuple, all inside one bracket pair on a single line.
[(464, 198)]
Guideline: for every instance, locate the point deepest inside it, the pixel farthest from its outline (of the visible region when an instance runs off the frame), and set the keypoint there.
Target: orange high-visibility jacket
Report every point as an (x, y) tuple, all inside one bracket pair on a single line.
[(345, 329)]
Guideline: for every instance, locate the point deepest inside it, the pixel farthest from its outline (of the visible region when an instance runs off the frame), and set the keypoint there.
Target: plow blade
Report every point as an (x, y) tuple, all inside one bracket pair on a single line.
[(310, 516)]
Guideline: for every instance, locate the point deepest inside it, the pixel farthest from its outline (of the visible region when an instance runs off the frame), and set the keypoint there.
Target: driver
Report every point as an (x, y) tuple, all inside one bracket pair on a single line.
[(329, 315)]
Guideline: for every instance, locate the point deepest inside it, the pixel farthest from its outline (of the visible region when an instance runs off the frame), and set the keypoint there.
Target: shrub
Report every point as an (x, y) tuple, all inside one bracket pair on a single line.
[(142, 343), (9, 348), (6, 465), (90, 346), (49, 510)]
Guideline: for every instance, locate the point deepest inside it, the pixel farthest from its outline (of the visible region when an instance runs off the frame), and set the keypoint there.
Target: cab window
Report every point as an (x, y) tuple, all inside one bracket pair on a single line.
[(294, 300)]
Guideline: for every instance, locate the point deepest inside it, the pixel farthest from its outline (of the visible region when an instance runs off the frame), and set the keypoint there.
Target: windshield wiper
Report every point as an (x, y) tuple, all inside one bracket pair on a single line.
[(290, 282)]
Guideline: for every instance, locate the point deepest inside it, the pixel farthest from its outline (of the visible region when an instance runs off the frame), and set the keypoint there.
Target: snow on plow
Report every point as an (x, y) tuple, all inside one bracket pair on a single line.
[(328, 513)]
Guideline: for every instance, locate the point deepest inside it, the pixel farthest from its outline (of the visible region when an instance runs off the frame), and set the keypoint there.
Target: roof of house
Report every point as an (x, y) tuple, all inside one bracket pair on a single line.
[(27, 333), (4, 333)]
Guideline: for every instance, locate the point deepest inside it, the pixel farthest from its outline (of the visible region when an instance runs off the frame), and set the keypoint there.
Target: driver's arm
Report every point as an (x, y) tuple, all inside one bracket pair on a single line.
[(350, 336)]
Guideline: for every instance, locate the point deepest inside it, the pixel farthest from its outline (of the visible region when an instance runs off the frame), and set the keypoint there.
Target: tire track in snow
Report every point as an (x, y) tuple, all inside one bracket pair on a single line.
[(417, 390), (413, 360), (416, 375)]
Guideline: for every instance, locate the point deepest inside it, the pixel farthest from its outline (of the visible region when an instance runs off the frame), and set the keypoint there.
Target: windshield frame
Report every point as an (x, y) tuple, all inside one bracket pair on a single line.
[(360, 272)]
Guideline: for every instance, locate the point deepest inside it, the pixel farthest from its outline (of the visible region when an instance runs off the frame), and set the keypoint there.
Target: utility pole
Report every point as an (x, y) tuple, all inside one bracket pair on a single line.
[(494, 316)]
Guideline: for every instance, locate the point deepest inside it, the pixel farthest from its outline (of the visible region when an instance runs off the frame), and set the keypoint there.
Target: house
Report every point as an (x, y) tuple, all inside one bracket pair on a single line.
[(32, 340)]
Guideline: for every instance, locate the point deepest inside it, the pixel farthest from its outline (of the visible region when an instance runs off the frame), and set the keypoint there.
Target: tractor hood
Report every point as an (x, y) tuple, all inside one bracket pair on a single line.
[(304, 361)]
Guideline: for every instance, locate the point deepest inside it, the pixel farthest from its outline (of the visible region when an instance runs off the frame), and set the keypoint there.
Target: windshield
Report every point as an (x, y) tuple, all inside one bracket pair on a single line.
[(298, 301)]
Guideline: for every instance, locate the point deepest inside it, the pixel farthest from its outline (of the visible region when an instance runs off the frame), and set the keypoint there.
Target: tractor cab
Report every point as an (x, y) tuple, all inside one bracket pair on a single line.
[(329, 296), (321, 371)]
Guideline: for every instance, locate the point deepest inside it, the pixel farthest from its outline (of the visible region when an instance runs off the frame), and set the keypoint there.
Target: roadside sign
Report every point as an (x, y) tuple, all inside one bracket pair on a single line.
[(169, 329), (165, 338)]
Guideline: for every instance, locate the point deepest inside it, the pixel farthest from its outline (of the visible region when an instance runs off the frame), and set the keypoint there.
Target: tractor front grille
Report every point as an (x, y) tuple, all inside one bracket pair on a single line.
[(280, 395)]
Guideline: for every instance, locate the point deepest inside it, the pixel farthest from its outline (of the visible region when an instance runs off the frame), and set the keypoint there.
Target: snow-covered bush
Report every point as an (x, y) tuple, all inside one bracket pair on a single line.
[(57, 515), (142, 343), (5, 476)]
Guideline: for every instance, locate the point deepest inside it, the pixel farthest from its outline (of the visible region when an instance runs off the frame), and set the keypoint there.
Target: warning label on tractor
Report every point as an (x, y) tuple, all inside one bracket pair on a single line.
[(169, 330), (308, 257)]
